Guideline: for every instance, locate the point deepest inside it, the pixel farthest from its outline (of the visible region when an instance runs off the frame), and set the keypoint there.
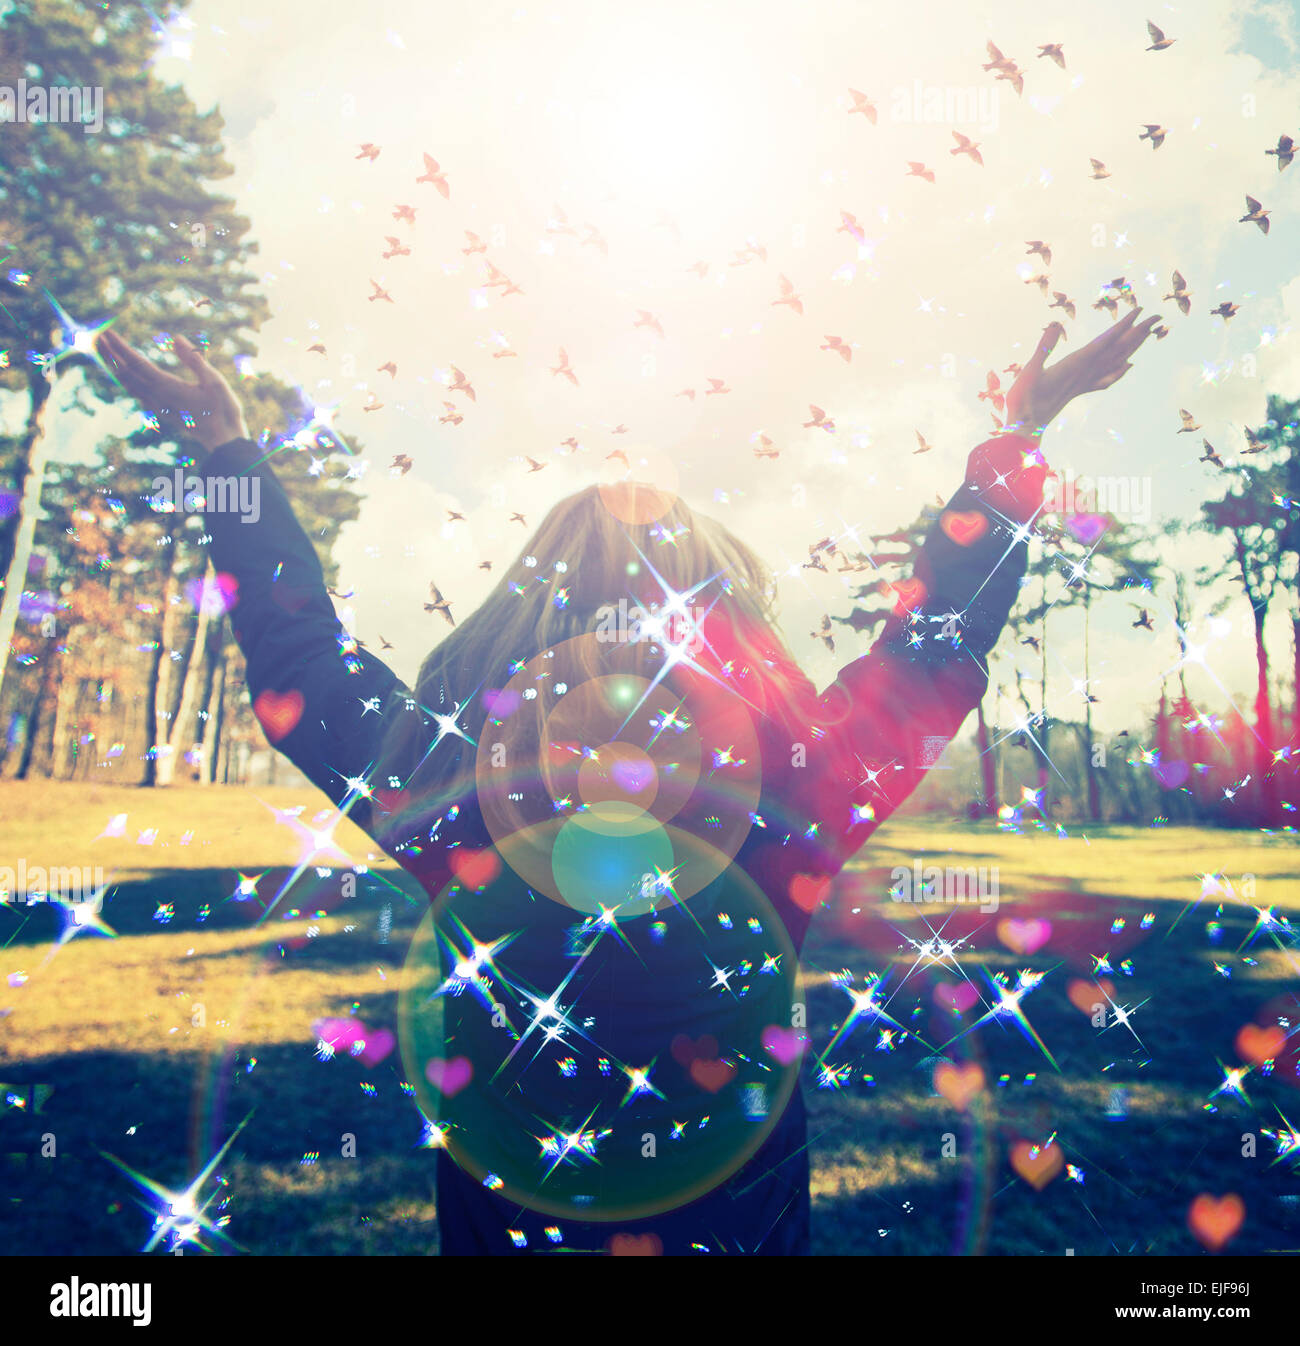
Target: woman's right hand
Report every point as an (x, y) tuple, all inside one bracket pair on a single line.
[(204, 410)]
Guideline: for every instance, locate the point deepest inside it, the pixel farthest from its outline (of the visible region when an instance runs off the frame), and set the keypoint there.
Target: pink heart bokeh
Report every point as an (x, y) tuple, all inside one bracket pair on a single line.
[(785, 1044), (449, 1077)]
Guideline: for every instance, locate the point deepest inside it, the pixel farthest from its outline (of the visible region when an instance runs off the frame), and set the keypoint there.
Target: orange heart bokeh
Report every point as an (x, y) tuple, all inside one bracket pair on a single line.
[(1036, 1165), (278, 713), (1085, 996), (636, 1245), (1215, 1220), (808, 890), (964, 527), (959, 1084), (1257, 1045)]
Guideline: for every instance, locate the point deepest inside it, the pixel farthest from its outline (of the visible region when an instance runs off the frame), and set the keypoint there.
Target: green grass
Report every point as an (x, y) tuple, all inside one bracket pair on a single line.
[(109, 1023)]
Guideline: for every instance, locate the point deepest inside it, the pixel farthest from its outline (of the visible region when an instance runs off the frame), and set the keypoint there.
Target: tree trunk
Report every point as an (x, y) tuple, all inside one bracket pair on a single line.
[(33, 453), (1089, 767), (36, 718), (988, 766), (1263, 723), (213, 725), (158, 685), (188, 707)]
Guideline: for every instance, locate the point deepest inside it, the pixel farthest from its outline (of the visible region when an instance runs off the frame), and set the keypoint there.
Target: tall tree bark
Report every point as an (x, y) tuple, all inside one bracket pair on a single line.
[(187, 708), (158, 685), (988, 766), (16, 548)]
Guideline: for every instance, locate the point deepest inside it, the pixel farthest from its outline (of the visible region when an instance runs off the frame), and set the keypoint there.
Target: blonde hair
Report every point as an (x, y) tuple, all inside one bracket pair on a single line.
[(570, 576)]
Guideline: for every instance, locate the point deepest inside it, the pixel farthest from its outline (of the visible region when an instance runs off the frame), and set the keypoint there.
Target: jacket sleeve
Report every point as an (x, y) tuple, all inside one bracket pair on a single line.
[(890, 714), (320, 698)]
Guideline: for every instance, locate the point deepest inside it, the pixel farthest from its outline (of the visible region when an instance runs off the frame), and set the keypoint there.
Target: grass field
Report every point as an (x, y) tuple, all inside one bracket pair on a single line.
[(110, 1025)]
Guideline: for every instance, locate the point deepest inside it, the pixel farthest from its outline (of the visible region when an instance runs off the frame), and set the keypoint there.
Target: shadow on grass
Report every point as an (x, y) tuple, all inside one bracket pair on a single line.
[(1136, 1110)]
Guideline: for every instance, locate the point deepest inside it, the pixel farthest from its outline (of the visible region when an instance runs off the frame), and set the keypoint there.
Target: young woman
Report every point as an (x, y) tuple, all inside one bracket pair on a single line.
[(626, 826)]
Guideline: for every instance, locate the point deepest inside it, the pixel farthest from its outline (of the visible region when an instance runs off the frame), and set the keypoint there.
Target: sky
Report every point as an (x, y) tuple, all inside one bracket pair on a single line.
[(685, 132)]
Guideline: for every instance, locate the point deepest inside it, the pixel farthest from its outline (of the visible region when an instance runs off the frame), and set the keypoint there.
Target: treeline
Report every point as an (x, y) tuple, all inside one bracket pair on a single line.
[(1181, 758), (116, 659)]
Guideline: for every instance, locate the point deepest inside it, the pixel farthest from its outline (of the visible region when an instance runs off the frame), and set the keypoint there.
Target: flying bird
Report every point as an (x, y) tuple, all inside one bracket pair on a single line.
[(369, 151), (1154, 133), (1062, 301), (476, 244), (824, 633), (925, 444), (519, 518), (849, 225), (1225, 310), (317, 349), (564, 368), (373, 405), (1144, 621), (533, 464), (788, 295), (701, 269), (864, 105), (644, 318), (992, 392), (406, 213), (1285, 152), (434, 174), (1159, 42), (918, 170), (1036, 245), (764, 448), (965, 145), (396, 248), (819, 420), (438, 603), (1042, 280), (401, 464), (1210, 456), (996, 59), (1255, 214), (1189, 423), (840, 347), (1053, 49), (460, 384), (1180, 294), (452, 416), (377, 291), (454, 517), (717, 386), (595, 239), (1099, 169), (388, 368)]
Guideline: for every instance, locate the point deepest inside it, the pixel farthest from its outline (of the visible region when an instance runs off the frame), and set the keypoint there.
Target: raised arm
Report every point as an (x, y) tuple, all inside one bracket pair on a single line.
[(891, 712), (320, 701)]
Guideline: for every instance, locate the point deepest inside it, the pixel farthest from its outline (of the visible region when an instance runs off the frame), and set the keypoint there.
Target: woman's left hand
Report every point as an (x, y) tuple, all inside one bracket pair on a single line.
[(1039, 394)]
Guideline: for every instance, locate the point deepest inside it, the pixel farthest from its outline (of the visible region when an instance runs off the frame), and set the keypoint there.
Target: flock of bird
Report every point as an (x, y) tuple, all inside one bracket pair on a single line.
[(1003, 68)]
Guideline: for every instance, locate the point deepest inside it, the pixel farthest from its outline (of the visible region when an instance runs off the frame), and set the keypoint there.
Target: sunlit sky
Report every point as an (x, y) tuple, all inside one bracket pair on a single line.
[(680, 131)]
